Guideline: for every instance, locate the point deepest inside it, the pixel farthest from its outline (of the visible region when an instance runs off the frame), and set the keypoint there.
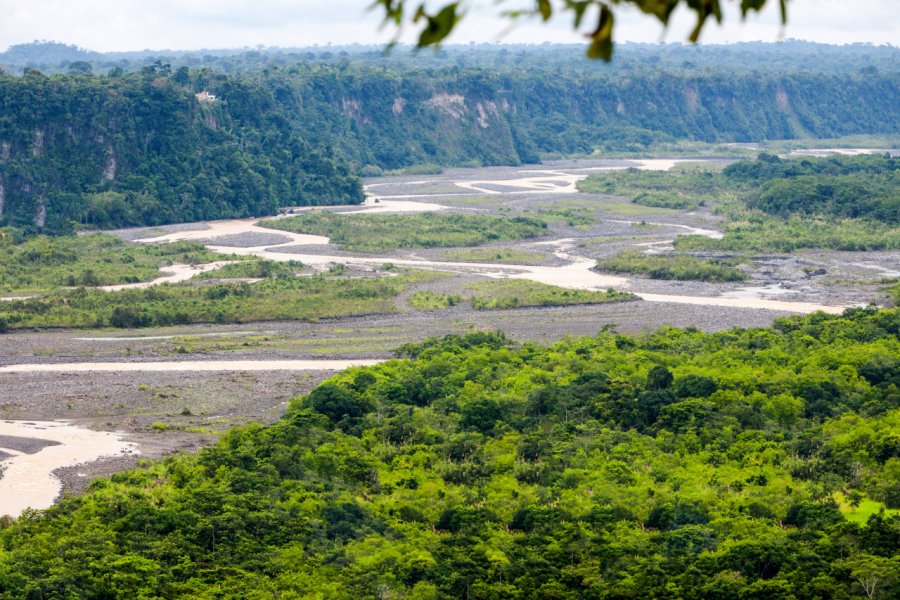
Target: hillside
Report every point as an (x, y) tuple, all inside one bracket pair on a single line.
[(138, 148), (754, 463), (142, 150)]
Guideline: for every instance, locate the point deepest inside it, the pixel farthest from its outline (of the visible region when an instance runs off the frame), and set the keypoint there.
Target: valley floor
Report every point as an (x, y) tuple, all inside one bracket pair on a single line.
[(165, 411)]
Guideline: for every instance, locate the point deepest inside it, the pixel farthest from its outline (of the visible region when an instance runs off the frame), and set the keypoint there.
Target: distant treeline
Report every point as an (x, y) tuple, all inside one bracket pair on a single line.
[(139, 148)]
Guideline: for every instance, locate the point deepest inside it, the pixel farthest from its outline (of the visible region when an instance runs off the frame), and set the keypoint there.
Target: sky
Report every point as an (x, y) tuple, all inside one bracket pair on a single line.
[(110, 25)]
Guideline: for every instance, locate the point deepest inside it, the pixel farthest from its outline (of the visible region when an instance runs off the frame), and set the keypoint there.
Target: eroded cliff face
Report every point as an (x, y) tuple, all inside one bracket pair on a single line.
[(138, 149), (129, 151)]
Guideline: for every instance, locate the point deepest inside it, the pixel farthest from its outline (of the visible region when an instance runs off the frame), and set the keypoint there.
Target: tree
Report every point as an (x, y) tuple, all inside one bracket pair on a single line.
[(871, 572), (437, 25), (80, 67)]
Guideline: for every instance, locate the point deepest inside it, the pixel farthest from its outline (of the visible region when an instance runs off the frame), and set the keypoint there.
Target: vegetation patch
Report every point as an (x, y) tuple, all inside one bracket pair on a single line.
[(433, 300), (773, 204), (253, 269), (379, 233), (515, 293), (843, 187), (495, 255), (760, 233), (682, 187), (40, 263), (681, 267), (857, 508), (572, 217), (275, 298)]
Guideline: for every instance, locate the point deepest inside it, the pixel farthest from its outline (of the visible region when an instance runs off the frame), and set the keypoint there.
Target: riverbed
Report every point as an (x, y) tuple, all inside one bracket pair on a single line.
[(36, 449)]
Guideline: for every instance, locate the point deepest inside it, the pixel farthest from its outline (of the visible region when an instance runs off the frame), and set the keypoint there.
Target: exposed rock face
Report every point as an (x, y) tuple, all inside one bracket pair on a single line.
[(486, 110), (109, 173), (781, 98), (453, 105), (37, 146), (40, 215)]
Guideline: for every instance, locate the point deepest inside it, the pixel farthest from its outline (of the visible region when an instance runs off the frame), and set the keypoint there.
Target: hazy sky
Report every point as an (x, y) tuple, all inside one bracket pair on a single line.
[(192, 24)]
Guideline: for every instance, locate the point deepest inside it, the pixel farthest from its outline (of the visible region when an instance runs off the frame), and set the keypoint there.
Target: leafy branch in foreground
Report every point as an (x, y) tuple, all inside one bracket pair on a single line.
[(599, 15)]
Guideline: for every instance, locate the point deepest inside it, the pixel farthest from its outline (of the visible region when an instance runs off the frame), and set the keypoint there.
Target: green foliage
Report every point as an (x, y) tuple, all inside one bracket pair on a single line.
[(683, 187), (515, 293), (437, 25), (762, 234), (572, 217), (433, 300), (253, 269), (40, 263), (377, 233), (842, 187), (139, 149), (495, 255), (841, 203), (683, 267), (488, 469), (894, 291), (273, 298)]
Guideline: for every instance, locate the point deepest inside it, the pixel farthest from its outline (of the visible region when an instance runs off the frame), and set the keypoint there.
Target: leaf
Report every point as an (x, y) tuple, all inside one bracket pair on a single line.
[(662, 9), (601, 39), (578, 7), (545, 9), (438, 26)]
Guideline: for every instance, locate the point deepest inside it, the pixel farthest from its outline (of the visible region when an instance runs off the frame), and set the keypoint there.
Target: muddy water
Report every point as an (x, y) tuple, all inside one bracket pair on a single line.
[(174, 274), (28, 480)]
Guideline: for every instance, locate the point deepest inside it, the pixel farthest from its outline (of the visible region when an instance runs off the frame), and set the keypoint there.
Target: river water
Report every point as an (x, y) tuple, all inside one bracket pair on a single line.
[(36, 449)]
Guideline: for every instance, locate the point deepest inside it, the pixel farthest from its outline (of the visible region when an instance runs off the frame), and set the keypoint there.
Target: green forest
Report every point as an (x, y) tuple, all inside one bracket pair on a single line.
[(748, 463), (772, 204), (137, 147)]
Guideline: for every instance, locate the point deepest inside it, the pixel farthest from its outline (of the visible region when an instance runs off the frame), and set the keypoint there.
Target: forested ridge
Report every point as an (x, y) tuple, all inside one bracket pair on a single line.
[(142, 150), (759, 463), (137, 148)]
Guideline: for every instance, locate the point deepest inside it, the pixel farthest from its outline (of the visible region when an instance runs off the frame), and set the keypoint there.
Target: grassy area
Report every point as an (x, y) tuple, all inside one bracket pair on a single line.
[(764, 234), (515, 293), (673, 267), (433, 300), (378, 233), (682, 187), (631, 210), (253, 269), (41, 264), (859, 509), (274, 298), (573, 217), (894, 291), (496, 255)]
